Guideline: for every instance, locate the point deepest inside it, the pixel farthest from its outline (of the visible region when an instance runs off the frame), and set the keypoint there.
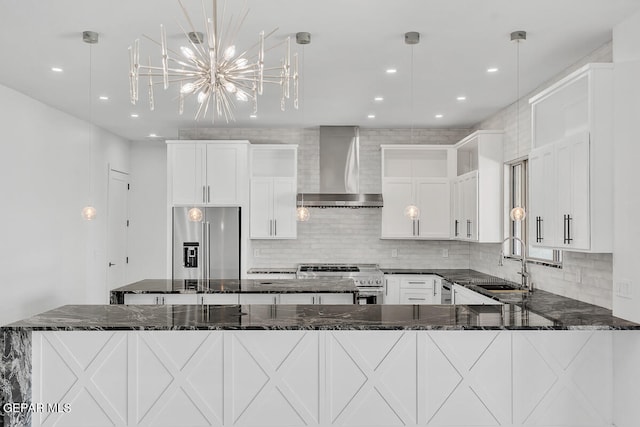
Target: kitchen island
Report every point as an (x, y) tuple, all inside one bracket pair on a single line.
[(325, 365)]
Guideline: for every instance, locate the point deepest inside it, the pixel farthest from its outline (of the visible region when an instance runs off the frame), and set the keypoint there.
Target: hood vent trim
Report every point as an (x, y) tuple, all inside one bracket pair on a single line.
[(339, 155), (337, 200)]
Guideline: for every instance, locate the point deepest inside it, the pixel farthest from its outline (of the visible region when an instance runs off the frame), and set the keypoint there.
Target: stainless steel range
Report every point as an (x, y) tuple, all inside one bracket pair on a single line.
[(368, 278)]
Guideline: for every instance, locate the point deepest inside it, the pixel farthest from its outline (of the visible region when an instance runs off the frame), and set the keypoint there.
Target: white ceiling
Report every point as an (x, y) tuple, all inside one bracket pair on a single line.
[(353, 43)]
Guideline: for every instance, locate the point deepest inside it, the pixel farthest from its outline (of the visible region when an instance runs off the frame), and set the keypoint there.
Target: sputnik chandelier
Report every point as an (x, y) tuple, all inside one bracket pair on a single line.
[(213, 70)]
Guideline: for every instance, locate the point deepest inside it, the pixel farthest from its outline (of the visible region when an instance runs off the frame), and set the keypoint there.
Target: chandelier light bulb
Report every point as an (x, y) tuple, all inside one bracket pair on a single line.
[(187, 53), (412, 212), (229, 52), (230, 87), (303, 214), (202, 96), (518, 214), (89, 213), (187, 88), (242, 96), (242, 62), (195, 214)]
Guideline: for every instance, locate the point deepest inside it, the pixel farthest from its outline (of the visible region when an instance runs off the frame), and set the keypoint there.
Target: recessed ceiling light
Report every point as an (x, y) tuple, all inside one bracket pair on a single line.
[(152, 135), (492, 70), (439, 116), (253, 116), (104, 98), (391, 71), (56, 69), (378, 98), (371, 116), (134, 115), (461, 98)]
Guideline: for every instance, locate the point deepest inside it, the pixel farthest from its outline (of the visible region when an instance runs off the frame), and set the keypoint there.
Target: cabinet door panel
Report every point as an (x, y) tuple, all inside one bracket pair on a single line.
[(391, 290), (338, 298), (580, 224), (397, 194), (221, 175), (284, 208), (416, 296), (259, 298), (301, 298), (542, 181), (187, 186), (261, 208), (433, 198)]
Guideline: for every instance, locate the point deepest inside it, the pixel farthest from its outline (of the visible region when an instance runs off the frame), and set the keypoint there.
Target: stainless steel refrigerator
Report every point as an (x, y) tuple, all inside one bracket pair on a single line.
[(208, 249)]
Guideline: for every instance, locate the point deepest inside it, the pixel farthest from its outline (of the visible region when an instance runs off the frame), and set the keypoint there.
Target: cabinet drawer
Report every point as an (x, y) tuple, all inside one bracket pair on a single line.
[(417, 283), (213, 299)]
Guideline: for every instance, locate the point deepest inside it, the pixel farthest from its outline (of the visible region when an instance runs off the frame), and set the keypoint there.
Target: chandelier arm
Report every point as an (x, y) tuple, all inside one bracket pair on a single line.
[(198, 49), (160, 44)]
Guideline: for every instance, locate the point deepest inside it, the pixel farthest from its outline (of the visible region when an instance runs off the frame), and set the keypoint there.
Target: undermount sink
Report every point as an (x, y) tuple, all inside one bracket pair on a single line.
[(499, 287)]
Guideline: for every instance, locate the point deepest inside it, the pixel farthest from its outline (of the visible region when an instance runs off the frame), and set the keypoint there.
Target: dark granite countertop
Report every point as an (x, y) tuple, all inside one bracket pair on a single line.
[(253, 286), (305, 317)]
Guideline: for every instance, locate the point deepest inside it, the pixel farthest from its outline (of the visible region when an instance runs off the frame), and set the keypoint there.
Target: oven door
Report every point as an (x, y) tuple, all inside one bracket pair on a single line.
[(369, 296)]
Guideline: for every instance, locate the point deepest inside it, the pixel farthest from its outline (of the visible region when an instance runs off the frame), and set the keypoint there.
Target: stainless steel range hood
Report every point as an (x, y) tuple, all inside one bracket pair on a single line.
[(340, 172)]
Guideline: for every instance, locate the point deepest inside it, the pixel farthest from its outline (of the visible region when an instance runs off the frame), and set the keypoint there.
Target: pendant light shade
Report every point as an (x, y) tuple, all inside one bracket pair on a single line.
[(412, 212), (302, 213), (195, 214), (89, 213), (518, 214)]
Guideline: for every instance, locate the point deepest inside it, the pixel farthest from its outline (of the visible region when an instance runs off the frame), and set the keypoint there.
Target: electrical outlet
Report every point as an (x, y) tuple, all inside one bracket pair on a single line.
[(624, 289), (445, 253), (256, 253), (394, 253)]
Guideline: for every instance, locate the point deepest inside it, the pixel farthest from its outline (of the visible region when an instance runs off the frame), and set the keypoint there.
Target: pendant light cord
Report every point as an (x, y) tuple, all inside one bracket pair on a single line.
[(90, 123), (412, 96), (518, 97)]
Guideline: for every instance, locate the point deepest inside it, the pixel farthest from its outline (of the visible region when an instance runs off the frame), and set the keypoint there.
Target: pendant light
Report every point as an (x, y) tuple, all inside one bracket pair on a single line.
[(412, 211), (302, 38), (302, 213), (89, 212), (518, 213)]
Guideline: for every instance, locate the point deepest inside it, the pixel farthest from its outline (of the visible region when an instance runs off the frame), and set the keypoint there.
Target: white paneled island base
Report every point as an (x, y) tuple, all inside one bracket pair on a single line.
[(325, 378)]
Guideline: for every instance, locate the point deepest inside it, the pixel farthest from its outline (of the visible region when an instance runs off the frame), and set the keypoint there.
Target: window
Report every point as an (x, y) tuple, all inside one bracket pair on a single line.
[(518, 197)]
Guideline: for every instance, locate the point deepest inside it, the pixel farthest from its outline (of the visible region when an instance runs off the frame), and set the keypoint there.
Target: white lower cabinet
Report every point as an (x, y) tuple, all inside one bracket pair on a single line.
[(463, 296), (259, 298), (326, 378), (412, 289), (218, 299), (160, 298), (319, 298)]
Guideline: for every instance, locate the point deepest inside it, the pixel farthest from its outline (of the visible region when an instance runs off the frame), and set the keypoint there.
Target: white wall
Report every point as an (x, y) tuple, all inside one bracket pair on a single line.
[(626, 203), (49, 256), (148, 211)]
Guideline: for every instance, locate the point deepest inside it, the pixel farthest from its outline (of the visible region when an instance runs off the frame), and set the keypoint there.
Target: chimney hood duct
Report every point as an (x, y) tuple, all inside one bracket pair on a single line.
[(340, 172)]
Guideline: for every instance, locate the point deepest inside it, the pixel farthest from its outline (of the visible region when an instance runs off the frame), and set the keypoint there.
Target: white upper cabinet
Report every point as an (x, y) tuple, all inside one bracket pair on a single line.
[(273, 191), (208, 173), (416, 175), (570, 165), (477, 189)]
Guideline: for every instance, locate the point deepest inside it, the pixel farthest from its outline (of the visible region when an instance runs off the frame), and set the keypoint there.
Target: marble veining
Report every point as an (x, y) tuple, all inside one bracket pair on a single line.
[(15, 375)]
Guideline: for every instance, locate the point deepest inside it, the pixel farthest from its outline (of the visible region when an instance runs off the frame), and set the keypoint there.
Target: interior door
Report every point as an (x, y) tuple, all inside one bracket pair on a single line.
[(117, 226)]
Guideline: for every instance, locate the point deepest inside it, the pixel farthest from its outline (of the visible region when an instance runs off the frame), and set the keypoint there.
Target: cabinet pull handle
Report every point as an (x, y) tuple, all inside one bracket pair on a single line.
[(274, 300), (539, 229), (567, 229), (319, 299), (275, 227), (204, 195), (386, 288), (313, 300), (270, 227), (417, 283), (413, 224), (469, 228), (208, 194), (455, 228), (418, 221), (416, 299)]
